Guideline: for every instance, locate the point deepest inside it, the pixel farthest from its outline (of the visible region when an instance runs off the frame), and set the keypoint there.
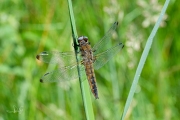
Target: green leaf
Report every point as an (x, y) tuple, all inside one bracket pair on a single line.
[(143, 60)]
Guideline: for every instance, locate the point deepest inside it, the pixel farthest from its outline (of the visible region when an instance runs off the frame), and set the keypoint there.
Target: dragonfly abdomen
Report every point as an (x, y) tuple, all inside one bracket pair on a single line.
[(87, 55), (91, 79)]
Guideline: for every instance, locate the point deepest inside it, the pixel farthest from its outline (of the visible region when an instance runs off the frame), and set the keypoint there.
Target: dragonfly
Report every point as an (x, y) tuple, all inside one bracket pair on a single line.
[(91, 58)]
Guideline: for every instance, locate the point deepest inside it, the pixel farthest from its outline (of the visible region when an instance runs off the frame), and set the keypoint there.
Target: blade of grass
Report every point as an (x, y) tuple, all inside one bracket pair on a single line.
[(143, 59), (83, 83)]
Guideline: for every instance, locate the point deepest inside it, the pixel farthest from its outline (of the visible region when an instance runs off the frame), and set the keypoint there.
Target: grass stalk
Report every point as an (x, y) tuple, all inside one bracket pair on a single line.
[(143, 59), (85, 90)]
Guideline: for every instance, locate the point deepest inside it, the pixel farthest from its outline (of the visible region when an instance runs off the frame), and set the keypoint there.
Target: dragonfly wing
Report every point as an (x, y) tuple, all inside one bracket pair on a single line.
[(55, 57), (62, 74), (98, 47), (104, 57)]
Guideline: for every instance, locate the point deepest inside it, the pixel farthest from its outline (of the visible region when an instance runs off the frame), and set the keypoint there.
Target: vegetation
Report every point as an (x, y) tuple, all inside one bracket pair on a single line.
[(30, 27)]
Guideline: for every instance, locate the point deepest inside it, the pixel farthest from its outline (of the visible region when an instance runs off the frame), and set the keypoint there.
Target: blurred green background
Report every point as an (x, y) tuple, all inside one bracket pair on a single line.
[(30, 27)]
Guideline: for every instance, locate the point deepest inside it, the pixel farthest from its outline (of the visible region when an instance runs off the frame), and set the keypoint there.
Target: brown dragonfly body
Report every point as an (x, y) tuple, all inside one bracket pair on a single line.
[(88, 60)]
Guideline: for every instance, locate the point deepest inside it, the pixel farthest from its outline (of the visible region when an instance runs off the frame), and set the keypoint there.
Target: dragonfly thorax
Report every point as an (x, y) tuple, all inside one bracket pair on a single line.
[(83, 40)]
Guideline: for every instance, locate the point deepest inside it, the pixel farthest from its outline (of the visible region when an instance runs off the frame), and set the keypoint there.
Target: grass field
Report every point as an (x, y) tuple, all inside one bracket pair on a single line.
[(30, 27)]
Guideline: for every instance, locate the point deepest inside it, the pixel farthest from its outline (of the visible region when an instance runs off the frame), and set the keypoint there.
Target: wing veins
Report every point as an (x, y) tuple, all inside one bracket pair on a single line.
[(102, 58), (102, 42), (62, 74)]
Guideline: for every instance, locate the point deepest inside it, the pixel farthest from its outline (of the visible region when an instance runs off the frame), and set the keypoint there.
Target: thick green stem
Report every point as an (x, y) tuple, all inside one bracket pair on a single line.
[(85, 90)]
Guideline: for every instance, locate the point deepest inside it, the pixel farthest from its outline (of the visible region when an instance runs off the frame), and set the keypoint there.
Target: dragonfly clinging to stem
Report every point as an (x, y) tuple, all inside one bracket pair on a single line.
[(91, 58)]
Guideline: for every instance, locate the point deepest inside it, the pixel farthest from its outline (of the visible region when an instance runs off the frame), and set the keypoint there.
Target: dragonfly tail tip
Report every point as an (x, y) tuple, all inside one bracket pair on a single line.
[(96, 97)]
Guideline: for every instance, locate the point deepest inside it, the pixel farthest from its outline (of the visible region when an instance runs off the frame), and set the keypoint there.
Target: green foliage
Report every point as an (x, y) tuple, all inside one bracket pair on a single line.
[(30, 27), (143, 60)]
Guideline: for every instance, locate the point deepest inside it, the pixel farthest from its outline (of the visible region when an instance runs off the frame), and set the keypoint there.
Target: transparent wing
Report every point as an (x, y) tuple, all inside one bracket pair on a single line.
[(62, 74), (104, 57), (55, 57), (98, 47)]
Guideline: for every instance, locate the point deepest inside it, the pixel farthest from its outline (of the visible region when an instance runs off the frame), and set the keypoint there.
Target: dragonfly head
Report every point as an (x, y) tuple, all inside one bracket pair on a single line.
[(83, 40)]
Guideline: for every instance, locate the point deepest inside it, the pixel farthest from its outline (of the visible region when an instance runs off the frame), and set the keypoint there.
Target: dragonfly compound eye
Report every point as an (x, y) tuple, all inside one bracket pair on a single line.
[(85, 39), (80, 38)]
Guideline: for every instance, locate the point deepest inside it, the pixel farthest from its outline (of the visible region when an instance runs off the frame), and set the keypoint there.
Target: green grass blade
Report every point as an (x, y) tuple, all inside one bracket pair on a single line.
[(143, 59), (85, 90)]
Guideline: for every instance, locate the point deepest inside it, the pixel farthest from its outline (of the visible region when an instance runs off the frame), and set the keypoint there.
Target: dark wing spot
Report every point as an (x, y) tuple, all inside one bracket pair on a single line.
[(41, 80), (37, 57)]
